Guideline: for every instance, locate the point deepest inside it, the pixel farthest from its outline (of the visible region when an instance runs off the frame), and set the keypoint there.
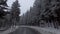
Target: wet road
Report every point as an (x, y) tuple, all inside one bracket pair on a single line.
[(25, 31)]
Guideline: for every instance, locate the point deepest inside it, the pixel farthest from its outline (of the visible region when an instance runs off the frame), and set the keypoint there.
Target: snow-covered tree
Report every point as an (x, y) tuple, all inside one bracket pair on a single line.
[(49, 8), (44, 12), (3, 13), (15, 12)]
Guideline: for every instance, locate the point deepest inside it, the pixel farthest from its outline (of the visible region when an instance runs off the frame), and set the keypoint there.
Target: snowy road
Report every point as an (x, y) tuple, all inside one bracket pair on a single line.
[(31, 30), (23, 30)]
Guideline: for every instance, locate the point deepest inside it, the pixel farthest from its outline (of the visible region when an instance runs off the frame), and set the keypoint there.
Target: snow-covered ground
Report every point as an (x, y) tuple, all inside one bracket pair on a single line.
[(13, 28), (44, 30)]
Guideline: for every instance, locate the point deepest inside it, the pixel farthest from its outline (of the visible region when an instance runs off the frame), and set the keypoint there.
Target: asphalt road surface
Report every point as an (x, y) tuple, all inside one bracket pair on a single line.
[(22, 30)]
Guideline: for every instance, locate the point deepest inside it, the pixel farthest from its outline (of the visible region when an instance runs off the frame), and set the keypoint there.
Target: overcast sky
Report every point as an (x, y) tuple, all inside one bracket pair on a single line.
[(25, 4)]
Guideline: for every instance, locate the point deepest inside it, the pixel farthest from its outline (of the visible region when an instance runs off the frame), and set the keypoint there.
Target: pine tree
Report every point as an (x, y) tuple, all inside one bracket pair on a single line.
[(15, 11), (3, 6), (50, 9), (3, 13), (35, 12)]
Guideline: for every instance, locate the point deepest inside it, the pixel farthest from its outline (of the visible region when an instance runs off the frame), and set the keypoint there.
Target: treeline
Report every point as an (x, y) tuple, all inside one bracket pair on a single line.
[(44, 13), (9, 16)]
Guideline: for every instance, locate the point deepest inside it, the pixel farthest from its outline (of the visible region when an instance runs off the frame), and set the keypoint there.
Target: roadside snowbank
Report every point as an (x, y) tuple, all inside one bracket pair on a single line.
[(13, 28), (44, 30)]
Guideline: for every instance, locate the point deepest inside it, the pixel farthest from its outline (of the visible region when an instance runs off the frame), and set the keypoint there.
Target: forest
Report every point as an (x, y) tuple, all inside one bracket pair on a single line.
[(44, 13), (9, 16)]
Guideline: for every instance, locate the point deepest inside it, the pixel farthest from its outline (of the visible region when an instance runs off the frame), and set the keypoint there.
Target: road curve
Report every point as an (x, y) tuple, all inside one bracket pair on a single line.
[(25, 30)]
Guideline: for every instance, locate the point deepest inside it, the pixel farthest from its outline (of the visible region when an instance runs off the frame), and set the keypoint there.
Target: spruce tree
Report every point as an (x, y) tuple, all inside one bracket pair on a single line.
[(3, 6), (3, 13), (15, 11)]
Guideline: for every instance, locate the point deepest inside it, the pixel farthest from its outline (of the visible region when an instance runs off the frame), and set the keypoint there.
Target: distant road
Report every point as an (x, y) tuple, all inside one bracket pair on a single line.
[(25, 30)]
